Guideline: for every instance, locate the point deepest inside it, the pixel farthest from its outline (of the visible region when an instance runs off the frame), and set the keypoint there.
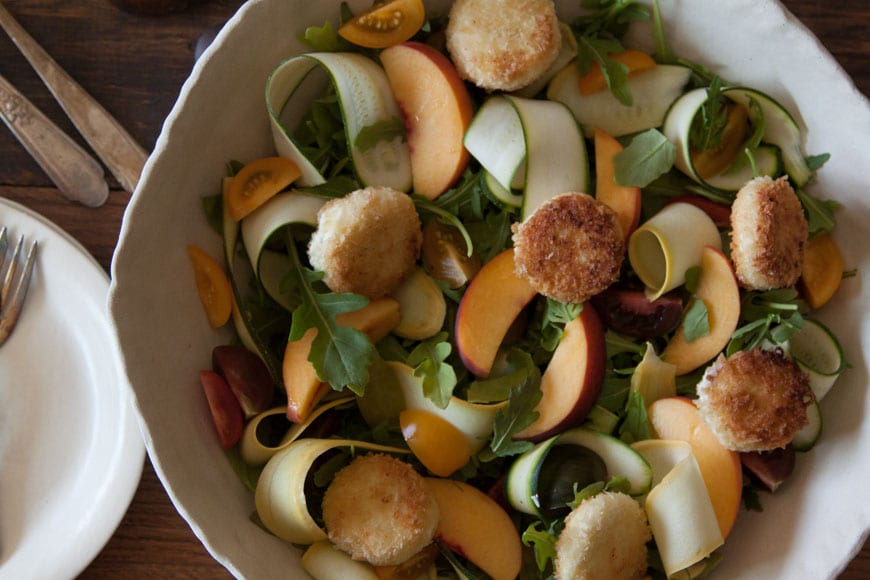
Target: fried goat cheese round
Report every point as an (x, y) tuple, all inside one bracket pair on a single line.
[(378, 509), (570, 249), (503, 44), (768, 234), (604, 537), (754, 400), (366, 242)]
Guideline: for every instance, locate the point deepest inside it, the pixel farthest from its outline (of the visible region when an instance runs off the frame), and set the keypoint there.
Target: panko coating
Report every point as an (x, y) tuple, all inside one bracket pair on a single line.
[(570, 249), (604, 538), (768, 234), (367, 242), (378, 509), (503, 44), (754, 400)]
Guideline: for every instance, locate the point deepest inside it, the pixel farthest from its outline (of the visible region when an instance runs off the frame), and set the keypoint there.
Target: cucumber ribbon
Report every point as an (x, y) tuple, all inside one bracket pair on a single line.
[(365, 98), (678, 507)]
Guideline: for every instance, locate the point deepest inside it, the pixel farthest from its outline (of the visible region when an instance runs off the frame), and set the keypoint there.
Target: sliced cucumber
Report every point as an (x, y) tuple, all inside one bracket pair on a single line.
[(528, 143), (808, 436), (508, 200), (495, 139), (677, 128), (766, 160), (365, 98), (653, 91), (780, 129), (818, 353), (522, 484)]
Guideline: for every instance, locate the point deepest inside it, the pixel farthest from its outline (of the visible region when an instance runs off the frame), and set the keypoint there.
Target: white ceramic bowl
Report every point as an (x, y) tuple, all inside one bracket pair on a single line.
[(809, 529)]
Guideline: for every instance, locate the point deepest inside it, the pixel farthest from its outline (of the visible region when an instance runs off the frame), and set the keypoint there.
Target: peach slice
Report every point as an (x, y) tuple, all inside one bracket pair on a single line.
[(437, 110), (301, 383), (573, 378), (717, 287), (624, 200), (678, 418), (492, 302), (474, 525)]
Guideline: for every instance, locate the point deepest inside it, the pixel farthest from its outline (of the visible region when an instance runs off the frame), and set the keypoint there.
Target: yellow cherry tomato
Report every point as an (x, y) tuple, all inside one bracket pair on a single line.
[(212, 285), (635, 60), (438, 445), (822, 270), (257, 182), (386, 24)]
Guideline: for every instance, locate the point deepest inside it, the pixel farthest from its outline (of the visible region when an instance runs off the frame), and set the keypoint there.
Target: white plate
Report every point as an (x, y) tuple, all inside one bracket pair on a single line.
[(71, 453)]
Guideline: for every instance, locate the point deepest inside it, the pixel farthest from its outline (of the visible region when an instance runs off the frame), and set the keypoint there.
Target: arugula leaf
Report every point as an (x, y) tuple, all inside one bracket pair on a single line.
[(820, 213), (693, 275), (617, 483), (772, 316), (384, 130), (341, 355), (519, 414), (710, 121), (556, 316), (439, 379), (610, 17), (696, 322), (636, 424), (519, 366), (649, 156), (591, 49), (323, 38), (663, 53), (543, 541), (815, 162)]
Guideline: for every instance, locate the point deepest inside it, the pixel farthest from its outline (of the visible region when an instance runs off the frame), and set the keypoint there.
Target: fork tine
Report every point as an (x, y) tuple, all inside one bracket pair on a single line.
[(14, 293), (10, 272)]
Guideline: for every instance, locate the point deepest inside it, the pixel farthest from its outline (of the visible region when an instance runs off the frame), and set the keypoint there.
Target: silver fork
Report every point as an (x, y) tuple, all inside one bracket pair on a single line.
[(15, 271)]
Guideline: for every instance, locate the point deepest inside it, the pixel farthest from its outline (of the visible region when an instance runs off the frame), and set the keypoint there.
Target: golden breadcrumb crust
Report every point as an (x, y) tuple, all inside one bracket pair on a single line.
[(503, 44), (768, 234), (570, 249), (379, 509), (754, 400), (367, 242), (604, 537)]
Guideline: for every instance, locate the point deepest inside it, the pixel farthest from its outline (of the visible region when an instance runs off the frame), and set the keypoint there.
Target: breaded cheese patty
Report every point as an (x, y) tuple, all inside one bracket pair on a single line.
[(604, 537), (755, 400), (503, 44), (768, 234), (379, 509), (570, 249), (367, 242)]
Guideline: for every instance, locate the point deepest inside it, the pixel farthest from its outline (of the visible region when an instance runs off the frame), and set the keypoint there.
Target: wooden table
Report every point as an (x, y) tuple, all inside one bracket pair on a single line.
[(135, 66)]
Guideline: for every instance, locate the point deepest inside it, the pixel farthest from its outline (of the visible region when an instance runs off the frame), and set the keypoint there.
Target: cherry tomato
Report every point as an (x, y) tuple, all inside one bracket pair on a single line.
[(386, 24), (226, 411), (445, 254), (257, 182), (822, 270), (213, 287), (438, 445)]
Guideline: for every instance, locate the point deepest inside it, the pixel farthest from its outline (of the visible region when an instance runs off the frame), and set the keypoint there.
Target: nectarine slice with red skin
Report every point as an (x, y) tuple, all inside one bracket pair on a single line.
[(437, 110), (493, 300), (717, 288), (573, 378), (678, 418), (473, 525), (623, 199)]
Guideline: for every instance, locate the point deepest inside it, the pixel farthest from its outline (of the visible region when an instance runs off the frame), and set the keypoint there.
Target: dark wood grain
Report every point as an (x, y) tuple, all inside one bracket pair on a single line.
[(135, 66)]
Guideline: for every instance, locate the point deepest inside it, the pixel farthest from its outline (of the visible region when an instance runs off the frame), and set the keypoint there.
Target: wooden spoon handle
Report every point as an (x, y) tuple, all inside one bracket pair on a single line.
[(77, 175), (118, 150)]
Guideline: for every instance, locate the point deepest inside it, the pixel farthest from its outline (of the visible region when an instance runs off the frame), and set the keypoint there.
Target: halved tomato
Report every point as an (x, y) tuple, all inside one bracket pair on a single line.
[(257, 182), (385, 24), (213, 286)]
